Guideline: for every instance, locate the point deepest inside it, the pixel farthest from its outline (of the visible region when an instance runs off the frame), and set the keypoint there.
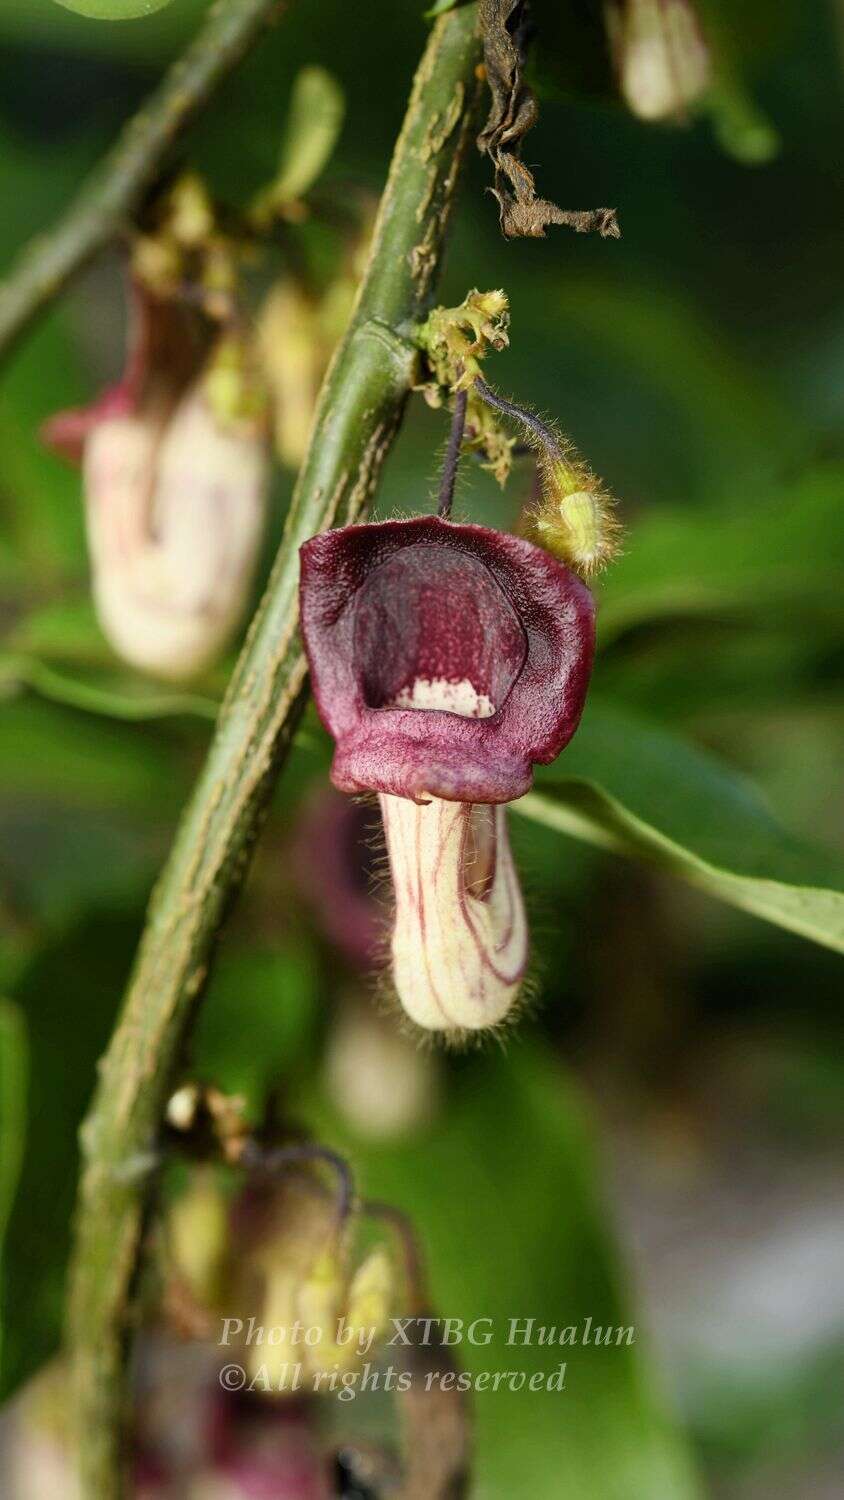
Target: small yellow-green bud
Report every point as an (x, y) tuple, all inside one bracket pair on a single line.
[(234, 391), (198, 1238), (158, 263), (189, 211), (294, 353), (574, 517), (370, 1292)]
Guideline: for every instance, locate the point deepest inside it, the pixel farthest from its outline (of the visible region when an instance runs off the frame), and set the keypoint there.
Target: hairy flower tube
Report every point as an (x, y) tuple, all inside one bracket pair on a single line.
[(446, 661), (175, 468)]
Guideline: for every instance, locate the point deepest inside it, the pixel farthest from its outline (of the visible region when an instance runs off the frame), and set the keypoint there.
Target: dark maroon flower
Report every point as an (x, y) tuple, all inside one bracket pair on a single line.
[(446, 659)]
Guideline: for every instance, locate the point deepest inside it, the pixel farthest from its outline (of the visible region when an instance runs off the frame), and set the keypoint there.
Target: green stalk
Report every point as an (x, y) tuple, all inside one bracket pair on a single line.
[(358, 415)]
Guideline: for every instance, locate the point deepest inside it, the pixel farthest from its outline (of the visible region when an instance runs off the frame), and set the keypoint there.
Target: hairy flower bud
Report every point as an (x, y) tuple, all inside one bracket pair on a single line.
[(295, 352), (661, 57), (574, 517)]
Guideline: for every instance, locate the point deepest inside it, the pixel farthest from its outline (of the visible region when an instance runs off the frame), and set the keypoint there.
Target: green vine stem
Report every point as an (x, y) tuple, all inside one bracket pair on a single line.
[(107, 199), (359, 411)]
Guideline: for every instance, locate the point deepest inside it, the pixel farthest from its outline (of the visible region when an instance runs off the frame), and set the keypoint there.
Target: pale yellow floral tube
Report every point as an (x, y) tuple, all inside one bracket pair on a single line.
[(460, 939)]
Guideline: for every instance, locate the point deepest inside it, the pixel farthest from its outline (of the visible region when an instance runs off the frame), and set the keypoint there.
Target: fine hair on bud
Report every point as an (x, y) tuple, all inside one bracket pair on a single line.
[(573, 515)]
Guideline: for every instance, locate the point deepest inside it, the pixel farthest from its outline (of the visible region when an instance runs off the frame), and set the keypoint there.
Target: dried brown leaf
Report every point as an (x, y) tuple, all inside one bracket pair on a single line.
[(506, 27)]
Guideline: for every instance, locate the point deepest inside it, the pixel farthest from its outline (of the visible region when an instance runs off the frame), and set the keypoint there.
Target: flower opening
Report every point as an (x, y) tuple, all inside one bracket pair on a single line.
[(446, 661)]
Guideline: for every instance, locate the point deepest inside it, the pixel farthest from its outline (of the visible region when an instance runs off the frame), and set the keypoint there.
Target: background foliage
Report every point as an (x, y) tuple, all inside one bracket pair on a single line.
[(696, 363)]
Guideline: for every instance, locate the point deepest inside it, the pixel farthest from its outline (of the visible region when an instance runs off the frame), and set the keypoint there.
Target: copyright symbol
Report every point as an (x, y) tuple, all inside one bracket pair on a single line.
[(232, 1377)]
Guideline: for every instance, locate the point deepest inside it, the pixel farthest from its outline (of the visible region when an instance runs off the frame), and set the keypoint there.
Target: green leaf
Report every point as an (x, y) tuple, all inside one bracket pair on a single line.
[(118, 695), (732, 419), (68, 994), (505, 1195), (631, 787), (59, 652), (113, 10), (41, 24), (85, 806), (40, 496), (13, 1071), (787, 551), (256, 1020), (52, 755), (314, 121)]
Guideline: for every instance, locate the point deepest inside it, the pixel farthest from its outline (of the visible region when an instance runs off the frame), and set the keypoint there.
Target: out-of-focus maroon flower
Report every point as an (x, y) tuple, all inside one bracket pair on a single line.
[(191, 1437), (332, 862), (175, 467), (446, 661), (267, 1450), (166, 344)]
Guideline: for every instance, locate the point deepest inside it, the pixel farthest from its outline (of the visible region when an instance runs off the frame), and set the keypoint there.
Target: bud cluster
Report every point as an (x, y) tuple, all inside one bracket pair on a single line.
[(455, 340), (280, 1259), (320, 1310)]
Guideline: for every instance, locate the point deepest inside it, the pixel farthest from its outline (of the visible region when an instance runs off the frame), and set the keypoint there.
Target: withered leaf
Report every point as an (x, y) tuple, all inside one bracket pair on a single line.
[(506, 27)]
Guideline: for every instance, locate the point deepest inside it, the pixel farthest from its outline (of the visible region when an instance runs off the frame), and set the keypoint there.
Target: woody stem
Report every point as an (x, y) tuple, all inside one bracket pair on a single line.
[(358, 415)]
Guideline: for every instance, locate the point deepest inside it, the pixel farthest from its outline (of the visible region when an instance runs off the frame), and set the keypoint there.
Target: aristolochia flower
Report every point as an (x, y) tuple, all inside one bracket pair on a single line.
[(446, 661), (175, 467)]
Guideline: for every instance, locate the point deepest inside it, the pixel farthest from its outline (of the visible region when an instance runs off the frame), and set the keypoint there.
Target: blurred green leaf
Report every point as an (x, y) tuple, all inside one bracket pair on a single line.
[(68, 994), (113, 10), (503, 1191), (40, 497), (787, 551), (59, 652), (631, 787), (256, 1020), (74, 759), (85, 809), (51, 26), (314, 121), (738, 424), (13, 1071), (116, 694)]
